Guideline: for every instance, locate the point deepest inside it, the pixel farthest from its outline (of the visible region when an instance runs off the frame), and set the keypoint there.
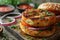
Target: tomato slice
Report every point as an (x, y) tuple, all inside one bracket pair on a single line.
[(25, 24)]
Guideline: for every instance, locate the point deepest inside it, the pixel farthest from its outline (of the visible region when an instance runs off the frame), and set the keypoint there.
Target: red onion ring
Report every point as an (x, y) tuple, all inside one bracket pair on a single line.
[(32, 28), (8, 24), (16, 17), (19, 16), (58, 16)]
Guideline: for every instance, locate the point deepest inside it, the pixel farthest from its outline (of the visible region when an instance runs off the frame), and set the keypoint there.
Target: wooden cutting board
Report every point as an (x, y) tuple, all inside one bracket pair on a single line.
[(6, 35)]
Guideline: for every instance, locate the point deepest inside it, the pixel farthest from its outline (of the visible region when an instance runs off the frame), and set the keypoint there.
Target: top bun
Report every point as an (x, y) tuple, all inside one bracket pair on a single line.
[(50, 6)]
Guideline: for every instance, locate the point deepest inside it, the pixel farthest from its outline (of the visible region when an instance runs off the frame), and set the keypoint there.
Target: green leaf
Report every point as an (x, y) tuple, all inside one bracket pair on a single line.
[(36, 5), (9, 20), (28, 1), (5, 2), (48, 13), (42, 18), (14, 26)]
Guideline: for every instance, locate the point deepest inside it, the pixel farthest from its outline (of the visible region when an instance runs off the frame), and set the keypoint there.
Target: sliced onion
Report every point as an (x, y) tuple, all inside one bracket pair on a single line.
[(58, 16), (17, 15), (9, 23), (33, 28)]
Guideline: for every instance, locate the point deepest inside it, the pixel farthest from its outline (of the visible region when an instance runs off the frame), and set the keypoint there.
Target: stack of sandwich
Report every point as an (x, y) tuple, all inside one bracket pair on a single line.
[(40, 22)]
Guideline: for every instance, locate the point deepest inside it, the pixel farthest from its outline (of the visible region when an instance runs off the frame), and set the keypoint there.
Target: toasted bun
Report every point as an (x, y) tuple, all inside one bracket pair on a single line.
[(50, 6), (35, 33)]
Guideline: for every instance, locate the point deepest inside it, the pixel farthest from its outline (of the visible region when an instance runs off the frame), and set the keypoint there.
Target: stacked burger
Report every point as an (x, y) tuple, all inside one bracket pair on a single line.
[(38, 22)]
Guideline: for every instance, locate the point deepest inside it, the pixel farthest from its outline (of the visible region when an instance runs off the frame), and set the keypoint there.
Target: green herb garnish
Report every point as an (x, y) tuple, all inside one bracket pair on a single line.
[(5, 36), (36, 5), (42, 17), (14, 26), (9, 20), (29, 22), (49, 13), (30, 13)]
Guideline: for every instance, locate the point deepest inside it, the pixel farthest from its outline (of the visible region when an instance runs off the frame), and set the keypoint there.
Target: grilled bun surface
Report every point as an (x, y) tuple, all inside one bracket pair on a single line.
[(50, 6)]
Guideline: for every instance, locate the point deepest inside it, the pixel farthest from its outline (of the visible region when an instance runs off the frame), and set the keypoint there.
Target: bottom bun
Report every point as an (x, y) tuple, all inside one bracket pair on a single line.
[(39, 33)]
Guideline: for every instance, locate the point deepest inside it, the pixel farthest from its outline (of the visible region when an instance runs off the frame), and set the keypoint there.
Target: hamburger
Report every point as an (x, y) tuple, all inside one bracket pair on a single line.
[(38, 23)]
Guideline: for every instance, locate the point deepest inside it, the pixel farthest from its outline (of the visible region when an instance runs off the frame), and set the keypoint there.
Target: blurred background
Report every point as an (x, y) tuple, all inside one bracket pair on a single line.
[(15, 2)]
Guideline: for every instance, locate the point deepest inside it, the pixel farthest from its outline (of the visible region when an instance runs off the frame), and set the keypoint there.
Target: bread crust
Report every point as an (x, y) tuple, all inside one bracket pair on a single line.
[(50, 6)]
